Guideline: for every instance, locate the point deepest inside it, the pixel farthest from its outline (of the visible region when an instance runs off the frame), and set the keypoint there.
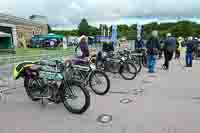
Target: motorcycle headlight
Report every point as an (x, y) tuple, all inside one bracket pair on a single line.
[(104, 54), (93, 67)]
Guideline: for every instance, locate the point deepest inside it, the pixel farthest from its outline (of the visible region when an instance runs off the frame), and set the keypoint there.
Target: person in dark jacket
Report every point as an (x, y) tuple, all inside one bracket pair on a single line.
[(152, 45), (139, 43), (189, 50), (169, 48), (108, 48)]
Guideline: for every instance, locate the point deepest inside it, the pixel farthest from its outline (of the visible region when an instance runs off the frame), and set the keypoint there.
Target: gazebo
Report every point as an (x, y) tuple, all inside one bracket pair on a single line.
[(6, 41)]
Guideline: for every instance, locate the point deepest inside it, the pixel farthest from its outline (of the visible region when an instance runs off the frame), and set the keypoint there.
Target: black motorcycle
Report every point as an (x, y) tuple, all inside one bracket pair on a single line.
[(87, 74), (115, 63)]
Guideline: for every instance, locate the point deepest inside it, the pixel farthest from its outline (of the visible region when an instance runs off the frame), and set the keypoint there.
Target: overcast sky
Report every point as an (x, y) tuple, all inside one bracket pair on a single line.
[(70, 12)]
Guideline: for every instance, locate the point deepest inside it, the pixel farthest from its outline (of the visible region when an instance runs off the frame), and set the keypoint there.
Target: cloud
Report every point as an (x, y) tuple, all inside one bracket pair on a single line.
[(70, 12)]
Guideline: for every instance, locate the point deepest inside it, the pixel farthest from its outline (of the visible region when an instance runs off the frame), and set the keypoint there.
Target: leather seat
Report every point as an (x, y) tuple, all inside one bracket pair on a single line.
[(36, 68)]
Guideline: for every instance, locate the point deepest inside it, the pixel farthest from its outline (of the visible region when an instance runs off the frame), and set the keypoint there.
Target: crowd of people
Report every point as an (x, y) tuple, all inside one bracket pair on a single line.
[(154, 47), (168, 46)]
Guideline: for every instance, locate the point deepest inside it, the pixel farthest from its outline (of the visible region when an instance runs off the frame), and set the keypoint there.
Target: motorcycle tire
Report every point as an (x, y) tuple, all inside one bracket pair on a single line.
[(27, 82), (124, 66), (103, 74), (138, 65), (65, 100)]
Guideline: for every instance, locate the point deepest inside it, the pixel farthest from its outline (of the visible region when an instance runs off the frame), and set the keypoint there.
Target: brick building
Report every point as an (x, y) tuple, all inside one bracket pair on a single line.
[(22, 29)]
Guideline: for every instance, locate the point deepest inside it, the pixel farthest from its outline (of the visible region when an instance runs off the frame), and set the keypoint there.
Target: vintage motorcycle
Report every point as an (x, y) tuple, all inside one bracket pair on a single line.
[(115, 63), (43, 83)]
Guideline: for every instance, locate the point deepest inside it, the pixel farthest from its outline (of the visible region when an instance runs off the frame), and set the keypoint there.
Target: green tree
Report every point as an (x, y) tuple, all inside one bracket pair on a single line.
[(182, 28), (49, 28), (83, 28), (93, 31)]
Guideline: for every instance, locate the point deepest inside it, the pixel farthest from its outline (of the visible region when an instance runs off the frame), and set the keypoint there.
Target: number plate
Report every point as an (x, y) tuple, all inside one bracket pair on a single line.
[(93, 66)]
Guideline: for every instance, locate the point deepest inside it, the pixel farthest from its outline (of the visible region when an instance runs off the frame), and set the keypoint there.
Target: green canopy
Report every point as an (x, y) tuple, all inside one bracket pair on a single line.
[(6, 41), (49, 36)]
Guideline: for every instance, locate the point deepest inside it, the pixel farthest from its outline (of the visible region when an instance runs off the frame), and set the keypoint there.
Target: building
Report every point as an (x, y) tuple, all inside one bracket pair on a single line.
[(22, 29), (39, 19)]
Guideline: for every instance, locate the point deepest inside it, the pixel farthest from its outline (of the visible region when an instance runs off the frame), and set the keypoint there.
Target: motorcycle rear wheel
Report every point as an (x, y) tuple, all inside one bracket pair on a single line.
[(125, 68)]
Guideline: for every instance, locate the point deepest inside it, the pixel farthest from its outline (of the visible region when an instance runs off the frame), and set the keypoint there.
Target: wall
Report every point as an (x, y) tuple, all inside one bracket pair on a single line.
[(25, 33)]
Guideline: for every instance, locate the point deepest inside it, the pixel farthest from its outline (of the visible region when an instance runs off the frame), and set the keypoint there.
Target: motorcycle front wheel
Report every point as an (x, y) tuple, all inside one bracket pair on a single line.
[(128, 71), (31, 86), (76, 99), (99, 82)]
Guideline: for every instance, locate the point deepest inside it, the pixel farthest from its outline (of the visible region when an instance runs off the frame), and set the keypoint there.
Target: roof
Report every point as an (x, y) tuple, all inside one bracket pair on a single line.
[(5, 18), (49, 36), (2, 34)]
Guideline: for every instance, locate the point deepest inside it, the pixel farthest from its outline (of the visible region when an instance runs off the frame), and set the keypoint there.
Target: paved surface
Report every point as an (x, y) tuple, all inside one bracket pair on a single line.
[(165, 102)]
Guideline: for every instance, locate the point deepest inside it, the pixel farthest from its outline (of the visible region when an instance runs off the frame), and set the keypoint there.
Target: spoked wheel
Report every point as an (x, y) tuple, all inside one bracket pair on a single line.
[(31, 87), (76, 99), (128, 71), (137, 64), (99, 82)]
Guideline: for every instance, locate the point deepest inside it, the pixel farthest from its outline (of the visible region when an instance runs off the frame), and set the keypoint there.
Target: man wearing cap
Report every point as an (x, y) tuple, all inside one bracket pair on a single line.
[(169, 48), (189, 50)]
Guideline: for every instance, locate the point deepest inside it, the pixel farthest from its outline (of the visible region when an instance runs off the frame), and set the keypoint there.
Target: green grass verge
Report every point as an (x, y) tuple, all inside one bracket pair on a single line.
[(29, 53)]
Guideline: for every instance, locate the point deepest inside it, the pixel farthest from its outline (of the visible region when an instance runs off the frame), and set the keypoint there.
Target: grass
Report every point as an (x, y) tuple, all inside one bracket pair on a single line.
[(29, 53)]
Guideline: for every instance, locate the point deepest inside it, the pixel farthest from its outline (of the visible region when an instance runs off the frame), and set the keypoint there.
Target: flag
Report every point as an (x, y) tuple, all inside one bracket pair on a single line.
[(114, 34)]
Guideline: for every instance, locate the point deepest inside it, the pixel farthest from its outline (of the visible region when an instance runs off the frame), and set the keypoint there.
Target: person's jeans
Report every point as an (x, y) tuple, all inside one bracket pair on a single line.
[(151, 63), (188, 59), (168, 56)]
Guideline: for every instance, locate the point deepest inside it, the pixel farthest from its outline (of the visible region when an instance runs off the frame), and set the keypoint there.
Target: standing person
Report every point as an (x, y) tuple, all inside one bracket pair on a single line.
[(161, 48), (178, 48), (189, 49), (152, 46), (139, 43), (169, 48)]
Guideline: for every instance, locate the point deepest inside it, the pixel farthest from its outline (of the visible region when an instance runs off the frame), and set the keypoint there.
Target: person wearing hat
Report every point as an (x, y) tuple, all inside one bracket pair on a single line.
[(190, 43), (169, 48), (153, 46)]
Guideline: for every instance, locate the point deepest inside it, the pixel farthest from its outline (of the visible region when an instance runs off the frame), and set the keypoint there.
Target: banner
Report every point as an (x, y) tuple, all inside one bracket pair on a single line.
[(140, 30), (114, 34)]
